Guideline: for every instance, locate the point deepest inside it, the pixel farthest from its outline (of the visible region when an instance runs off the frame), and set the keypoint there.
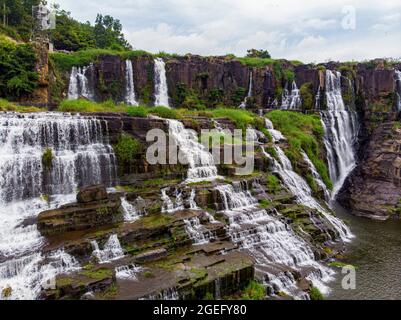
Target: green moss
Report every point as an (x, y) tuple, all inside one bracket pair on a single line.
[(304, 133), (98, 274), (208, 296), (315, 294), (47, 158), (148, 274), (254, 291), (264, 203), (154, 220), (126, 149)]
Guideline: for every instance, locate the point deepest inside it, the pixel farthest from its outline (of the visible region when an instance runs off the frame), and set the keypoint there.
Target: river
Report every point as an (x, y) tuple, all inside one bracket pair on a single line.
[(376, 253)]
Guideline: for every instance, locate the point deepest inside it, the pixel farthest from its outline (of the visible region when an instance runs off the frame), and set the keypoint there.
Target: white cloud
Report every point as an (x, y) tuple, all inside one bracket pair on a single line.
[(309, 31)]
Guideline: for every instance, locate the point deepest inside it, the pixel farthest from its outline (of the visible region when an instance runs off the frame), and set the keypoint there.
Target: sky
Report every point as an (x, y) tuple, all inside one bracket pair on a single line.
[(307, 30)]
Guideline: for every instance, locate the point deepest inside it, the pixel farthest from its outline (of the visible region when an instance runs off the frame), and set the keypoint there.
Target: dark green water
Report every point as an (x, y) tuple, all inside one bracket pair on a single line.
[(376, 252)]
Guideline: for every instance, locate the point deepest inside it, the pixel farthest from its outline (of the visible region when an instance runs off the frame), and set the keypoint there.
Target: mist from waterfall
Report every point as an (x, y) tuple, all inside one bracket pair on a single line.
[(161, 88), (81, 84), (130, 98), (341, 132)]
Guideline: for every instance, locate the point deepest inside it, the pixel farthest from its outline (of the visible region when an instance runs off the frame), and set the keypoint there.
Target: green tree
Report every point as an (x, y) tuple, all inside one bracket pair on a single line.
[(108, 33), (254, 53)]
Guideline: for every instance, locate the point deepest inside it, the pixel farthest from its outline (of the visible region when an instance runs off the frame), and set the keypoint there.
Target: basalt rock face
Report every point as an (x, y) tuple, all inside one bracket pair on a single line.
[(373, 189)]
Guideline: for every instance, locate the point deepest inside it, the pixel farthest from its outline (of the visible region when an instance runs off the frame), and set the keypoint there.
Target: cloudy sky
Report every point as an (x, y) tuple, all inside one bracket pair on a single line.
[(307, 30)]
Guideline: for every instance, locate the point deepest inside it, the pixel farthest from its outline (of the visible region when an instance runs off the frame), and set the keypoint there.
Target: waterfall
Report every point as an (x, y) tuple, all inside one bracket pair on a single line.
[(249, 95), (398, 89), (196, 232), (81, 155), (131, 214), (191, 200), (276, 135), (341, 130), (303, 193), (269, 240), (161, 88), (130, 98), (111, 251), (200, 160), (291, 100), (168, 205), (80, 85), (316, 176), (128, 272)]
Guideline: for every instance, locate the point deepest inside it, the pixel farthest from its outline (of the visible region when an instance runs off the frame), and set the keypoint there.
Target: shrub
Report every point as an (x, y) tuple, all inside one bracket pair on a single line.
[(83, 105), (315, 294), (307, 95), (254, 291), (139, 112), (47, 158), (126, 149)]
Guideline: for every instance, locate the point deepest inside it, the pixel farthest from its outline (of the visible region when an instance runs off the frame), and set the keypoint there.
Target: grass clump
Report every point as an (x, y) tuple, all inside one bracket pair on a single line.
[(273, 184), (82, 105), (304, 133), (315, 294), (242, 118), (254, 291), (97, 274), (164, 112), (47, 158), (256, 62)]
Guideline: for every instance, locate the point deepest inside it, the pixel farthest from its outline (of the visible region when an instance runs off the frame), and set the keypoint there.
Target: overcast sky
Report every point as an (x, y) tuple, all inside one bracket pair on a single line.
[(307, 30)]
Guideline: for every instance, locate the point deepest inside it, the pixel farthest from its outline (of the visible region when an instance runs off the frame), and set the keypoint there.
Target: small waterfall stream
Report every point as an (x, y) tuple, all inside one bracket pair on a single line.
[(250, 90), (398, 89), (291, 100), (341, 130), (81, 155), (80, 84), (161, 88), (200, 160), (112, 250), (130, 98)]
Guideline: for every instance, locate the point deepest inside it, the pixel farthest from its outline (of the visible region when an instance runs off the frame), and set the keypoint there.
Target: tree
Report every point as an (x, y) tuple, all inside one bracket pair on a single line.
[(108, 33), (253, 53)]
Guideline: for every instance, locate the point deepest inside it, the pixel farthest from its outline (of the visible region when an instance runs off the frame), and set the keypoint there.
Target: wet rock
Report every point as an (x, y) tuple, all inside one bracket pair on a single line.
[(92, 193), (151, 255)]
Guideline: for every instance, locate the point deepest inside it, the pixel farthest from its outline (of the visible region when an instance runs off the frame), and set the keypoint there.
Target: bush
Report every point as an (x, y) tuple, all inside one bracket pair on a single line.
[(315, 294), (139, 112), (47, 158), (83, 105), (307, 95), (164, 112), (254, 291), (126, 150)]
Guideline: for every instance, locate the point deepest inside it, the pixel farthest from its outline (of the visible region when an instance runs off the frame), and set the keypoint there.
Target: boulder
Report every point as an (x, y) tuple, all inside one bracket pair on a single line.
[(92, 193)]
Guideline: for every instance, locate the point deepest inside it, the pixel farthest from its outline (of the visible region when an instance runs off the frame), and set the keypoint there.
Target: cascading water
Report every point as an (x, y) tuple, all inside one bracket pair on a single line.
[(398, 89), (80, 155), (341, 130), (111, 251), (161, 88), (169, 205), (200, 160), (128, 272), (80, 84), (130, 98), (131, 213), (301, 190), (291, 100), (249, 95), (198, 234), (270, 241)]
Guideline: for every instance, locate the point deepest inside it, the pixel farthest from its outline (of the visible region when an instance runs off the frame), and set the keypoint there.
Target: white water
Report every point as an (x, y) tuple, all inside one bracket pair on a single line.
[(131, 213), (169, 205), (249, 95), (316, 176), (128, 272), (341, 130), (80, 85), (161, 88), (130, 98), (276, 135), (398, 89), (200, 160), (112, 250), (291, 100), (81, 155), (197, 233), (269, 240)]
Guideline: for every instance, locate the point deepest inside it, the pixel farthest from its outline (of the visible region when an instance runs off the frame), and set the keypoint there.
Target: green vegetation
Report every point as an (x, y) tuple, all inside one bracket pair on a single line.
[(337, 264), (164, 112), (306, 91), (82, 105), (264, 203), (254, 291), (242, 118), (18, 76), (98, 274), (47, 158), (148, 274), (273, 184), (304, 133), (253, 53), (154, 220), (315, 294), (126, 149), (208, 296), (6, 105), (256, 62)]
